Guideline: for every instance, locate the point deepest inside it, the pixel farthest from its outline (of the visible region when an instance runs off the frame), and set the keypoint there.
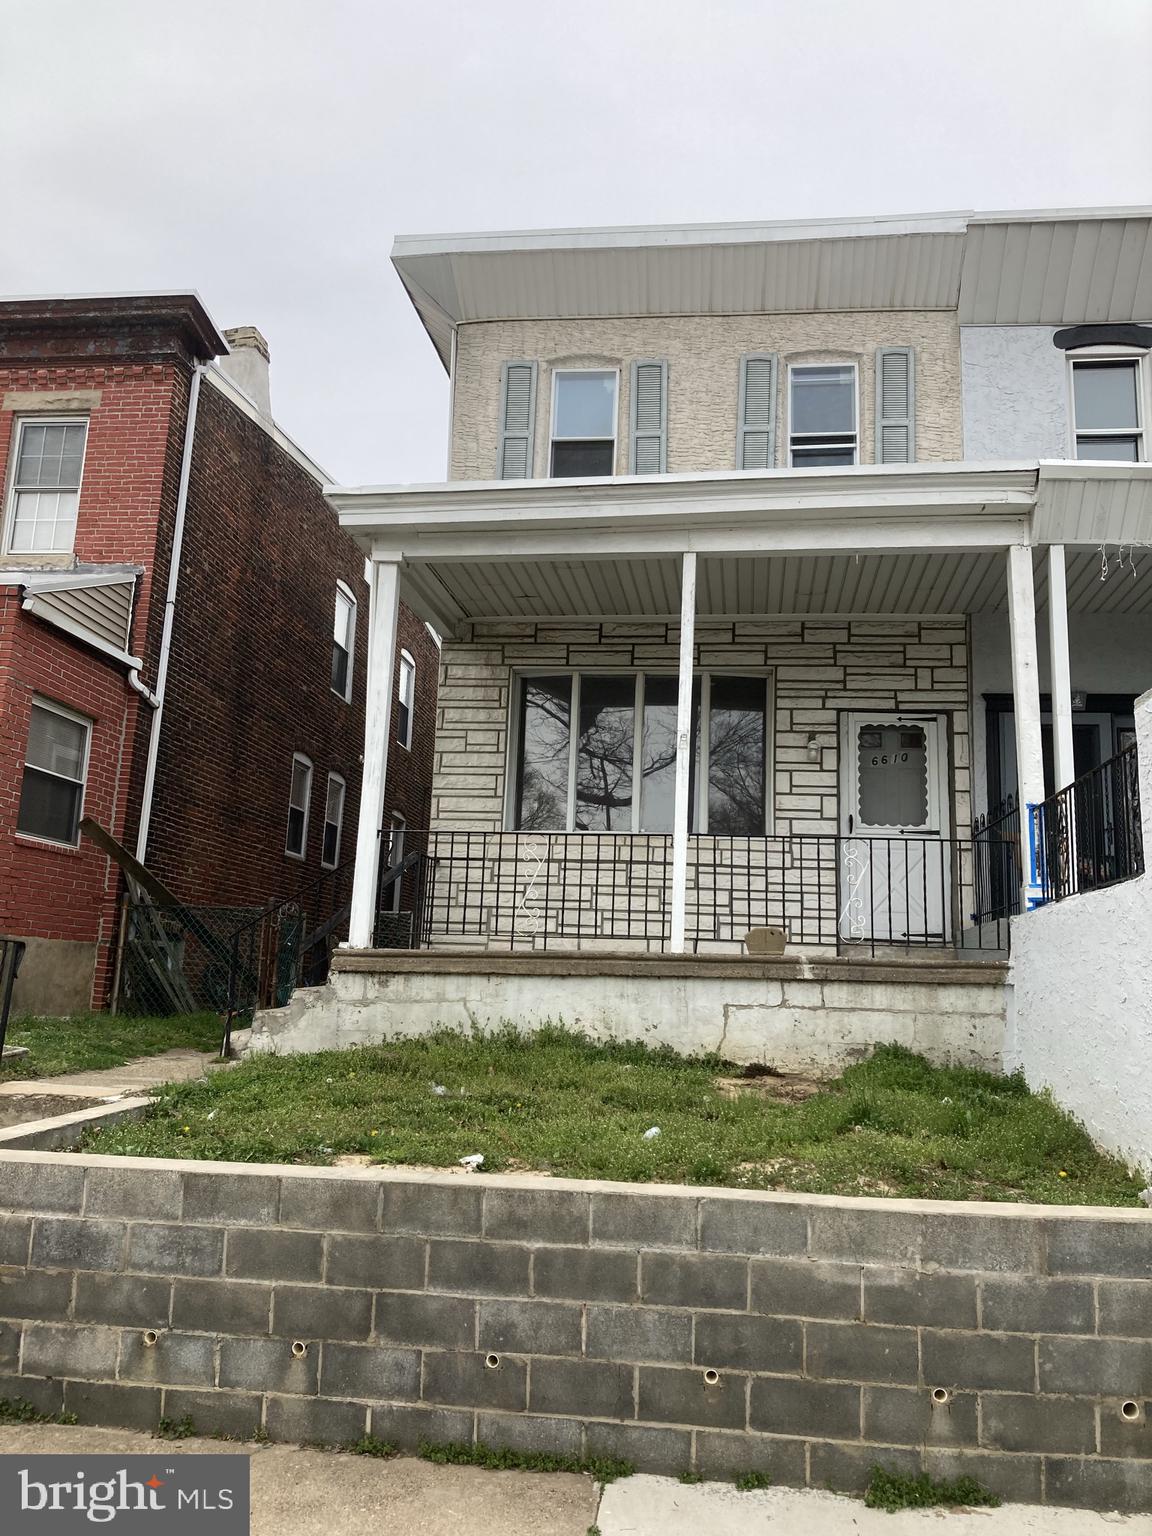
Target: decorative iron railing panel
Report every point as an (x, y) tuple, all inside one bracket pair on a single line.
[(1089, 835)]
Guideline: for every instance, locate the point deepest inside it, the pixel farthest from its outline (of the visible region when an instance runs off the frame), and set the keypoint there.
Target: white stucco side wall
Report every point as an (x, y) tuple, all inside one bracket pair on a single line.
[(1080, 999), (1014, 385)]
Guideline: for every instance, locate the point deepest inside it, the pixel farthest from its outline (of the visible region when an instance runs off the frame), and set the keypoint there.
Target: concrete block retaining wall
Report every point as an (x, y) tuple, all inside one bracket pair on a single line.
[(808, 1337)]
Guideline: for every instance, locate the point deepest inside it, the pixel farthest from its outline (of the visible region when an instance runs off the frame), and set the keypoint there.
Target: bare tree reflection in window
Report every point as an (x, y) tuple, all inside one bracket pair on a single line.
[(604, 754), (736, 756), (545, 720)]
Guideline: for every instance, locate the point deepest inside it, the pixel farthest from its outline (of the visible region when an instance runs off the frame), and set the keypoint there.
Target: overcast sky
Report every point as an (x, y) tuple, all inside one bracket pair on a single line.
[(266, 152)]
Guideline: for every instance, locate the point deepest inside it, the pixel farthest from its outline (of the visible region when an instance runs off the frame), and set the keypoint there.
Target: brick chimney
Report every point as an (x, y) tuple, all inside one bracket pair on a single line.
[(247, 364)]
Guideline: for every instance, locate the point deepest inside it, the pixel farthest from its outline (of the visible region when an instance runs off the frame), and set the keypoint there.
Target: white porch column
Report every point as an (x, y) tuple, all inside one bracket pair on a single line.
[(1026, 708), (383, 611), (1061, 668), (680, 812)]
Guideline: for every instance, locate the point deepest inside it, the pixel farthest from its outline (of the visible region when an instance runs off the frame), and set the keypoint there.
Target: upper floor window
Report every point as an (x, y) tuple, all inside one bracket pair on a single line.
[(299, 799), (55, 768), (583, 422), (343, 641), (45, 486), (407, 694), (333, 821), (822, 415), (1108, 409)]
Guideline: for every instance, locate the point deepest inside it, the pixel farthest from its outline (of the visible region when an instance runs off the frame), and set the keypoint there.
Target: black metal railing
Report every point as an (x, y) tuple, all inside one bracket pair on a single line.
[(1089, 835), (589, 891), (998, 867)]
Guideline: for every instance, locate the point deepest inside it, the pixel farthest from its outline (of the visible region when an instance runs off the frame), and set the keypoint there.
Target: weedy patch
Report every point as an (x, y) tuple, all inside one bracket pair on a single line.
[(748, 1482), (601, 1469), (17, 1410), (892, 1492), (368, 1445)]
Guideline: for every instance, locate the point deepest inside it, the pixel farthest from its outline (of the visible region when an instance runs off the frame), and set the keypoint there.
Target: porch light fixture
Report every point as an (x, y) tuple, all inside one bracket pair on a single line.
[(813, 749), (1079, 699)]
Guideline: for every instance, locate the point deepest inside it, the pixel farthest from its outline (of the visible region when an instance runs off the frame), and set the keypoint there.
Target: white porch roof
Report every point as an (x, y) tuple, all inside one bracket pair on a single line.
[(920, 539), (1039, 267)]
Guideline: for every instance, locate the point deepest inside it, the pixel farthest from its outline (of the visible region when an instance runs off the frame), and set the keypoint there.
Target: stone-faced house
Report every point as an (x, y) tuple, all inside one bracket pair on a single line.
[(738, 572)]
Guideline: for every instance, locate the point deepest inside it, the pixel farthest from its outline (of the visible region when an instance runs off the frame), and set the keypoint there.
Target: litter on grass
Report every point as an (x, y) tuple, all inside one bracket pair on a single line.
[(439, 1090), (473, 1160), (651, 1133)]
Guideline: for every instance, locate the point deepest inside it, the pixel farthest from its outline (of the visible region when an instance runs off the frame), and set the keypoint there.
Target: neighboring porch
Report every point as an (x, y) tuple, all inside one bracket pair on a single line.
[(673, 710)]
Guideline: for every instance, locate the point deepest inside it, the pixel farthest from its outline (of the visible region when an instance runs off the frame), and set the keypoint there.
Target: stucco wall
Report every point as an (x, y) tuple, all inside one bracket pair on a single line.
[(1080, 1015), (1015, 386), (703, 354), (1110, 653)]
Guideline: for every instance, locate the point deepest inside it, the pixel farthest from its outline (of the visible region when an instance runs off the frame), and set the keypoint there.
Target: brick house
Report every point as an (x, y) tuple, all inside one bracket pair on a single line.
[(738, 571), (205, 707)]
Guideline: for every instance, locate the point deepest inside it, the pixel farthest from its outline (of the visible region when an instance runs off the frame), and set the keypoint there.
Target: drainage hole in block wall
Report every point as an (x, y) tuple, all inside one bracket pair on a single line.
[(492, 1362), (711, 1378), (150, 1337), (299, 1349), (940, 1396), (1130, 1411)]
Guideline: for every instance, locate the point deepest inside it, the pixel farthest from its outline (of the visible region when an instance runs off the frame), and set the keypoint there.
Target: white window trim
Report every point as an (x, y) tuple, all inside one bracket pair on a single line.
[(333, 778), (705, 674), (406, 656), (812, 439), (345, 591), (298, 757), (553, 437), (1143, 360), (38, 702), (10, 490)]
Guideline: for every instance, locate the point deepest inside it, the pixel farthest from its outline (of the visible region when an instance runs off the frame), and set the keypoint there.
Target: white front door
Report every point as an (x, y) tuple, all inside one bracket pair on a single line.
[(895, 867)]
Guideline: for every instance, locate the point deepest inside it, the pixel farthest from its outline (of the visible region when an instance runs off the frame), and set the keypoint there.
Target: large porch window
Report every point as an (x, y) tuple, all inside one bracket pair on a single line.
[(596, 752)]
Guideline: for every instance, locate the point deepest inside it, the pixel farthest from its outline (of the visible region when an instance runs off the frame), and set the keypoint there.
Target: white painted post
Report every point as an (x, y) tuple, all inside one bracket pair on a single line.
[(680, 812), (1026, 710), (383, 612), (1061, 668)]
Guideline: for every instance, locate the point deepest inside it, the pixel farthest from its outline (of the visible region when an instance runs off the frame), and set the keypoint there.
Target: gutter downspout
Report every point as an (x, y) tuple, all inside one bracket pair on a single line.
[(156, 699)]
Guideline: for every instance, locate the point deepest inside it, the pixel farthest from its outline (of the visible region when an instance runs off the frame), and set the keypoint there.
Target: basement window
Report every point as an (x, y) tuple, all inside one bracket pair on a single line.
[(55, 769), (45, 491), (299, 799), (583, 422)]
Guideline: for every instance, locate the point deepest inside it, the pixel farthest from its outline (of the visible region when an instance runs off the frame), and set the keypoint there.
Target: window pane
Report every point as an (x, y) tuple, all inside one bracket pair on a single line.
[(1124, 448), (334, 808), (407, 679), (49, 807), (814, 458), (301, 780), (295, 839), (604, 753), (824, 399), (585, 405), (570, 460), (658, 786), (1105, 395), (51, 455), (736, 755), (893, 766), (340, 669), (56, 743), (44, 521), (542, 796), (342, 625), (331, 843)]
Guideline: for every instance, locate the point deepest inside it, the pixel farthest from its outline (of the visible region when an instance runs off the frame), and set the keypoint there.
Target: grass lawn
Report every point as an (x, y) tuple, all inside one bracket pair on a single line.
[(88, 1041), (559, 1103)]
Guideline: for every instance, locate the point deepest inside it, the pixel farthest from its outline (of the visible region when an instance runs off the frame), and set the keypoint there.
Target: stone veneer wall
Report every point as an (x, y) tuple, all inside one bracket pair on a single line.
[(703, 354), (819, 666), (677, 1328)]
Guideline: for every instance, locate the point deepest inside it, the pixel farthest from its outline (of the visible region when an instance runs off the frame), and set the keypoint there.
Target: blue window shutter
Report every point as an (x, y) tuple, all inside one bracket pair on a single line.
[(895, 405), (648, 448), (756, 415), (517, 421)]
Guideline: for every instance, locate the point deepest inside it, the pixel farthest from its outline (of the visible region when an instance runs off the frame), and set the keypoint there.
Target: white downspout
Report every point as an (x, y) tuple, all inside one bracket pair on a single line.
[(156, 699)]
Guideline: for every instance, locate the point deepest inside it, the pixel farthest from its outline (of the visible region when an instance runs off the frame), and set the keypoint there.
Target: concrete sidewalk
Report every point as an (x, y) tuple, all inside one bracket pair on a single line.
[(297, 1492)]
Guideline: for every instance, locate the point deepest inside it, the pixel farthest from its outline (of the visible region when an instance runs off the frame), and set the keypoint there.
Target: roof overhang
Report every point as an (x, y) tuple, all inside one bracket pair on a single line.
[(922, 538), (104, 324), (1062, 267)]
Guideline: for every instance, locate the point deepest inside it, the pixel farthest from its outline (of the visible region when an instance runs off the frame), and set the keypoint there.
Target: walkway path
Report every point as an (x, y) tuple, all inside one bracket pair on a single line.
[(322, 1493)]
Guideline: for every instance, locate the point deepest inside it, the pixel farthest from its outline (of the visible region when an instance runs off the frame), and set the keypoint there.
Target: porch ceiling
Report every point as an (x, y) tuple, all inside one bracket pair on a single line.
[(767, 587)]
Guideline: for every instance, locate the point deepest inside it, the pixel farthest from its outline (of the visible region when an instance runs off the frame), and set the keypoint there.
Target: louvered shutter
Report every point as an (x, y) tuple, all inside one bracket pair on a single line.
[(756, 432), (896, 405), (517, 420), (648, 454)]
